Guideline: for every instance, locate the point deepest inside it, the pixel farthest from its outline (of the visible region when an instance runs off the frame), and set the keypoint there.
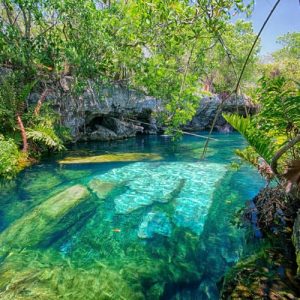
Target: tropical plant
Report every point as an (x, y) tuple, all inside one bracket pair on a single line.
[(9, 158), (273, 134), (30, 127)]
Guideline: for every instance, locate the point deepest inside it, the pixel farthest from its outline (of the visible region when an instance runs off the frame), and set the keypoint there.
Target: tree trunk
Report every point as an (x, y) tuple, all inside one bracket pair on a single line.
[(40, 102), (283, 150), (23, 133)]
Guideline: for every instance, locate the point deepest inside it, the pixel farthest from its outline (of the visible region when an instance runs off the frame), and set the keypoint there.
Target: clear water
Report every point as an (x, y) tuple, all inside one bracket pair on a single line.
[(158, 229)]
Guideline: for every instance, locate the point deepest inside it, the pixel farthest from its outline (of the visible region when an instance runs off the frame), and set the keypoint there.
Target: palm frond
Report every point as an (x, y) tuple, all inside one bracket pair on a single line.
[(262, 144)]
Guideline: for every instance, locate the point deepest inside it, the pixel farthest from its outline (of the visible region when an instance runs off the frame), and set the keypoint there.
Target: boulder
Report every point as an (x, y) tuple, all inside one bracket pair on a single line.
[(296, 240), (101, 134), (45, 219), (111, 102), (121, 128), (207, 110), (105, 128)]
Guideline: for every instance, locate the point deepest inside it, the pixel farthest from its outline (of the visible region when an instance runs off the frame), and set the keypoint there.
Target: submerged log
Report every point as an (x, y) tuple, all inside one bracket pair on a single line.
[(44, 220), (114, 157)]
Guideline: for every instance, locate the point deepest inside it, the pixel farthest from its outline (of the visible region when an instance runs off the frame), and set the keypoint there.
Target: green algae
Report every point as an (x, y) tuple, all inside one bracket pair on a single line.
[(46, 275), (115, 157), (141, 272), (43, 220), (45, 182)]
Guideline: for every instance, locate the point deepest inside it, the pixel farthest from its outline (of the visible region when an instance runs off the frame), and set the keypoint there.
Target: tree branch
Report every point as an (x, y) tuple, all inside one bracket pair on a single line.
[(220, 108), (281, 151)]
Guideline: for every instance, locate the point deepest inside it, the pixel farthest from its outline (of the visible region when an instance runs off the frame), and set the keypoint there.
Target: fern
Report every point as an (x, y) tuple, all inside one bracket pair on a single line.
[(45, 136)]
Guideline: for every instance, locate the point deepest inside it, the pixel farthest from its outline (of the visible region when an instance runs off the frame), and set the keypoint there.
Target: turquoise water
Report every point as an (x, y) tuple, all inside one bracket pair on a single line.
[(156, 227)]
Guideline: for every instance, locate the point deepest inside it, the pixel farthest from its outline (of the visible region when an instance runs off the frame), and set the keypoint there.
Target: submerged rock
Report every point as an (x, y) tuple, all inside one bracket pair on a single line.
[(45, 219), (101, 188), (296, 240), (154, 223), (114, 157)]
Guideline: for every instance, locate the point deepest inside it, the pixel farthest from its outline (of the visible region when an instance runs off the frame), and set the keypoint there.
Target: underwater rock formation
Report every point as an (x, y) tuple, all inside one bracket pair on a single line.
[(187, 182), (154, 223), (101, 188), (45, 219)]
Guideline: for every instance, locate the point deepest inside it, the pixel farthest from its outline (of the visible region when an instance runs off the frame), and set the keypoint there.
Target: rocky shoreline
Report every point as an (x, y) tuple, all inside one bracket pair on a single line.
[(106, 113), (271, 271)]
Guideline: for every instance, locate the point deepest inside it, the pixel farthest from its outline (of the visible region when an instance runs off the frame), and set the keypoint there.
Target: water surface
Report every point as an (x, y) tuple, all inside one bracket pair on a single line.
[(156, 228)]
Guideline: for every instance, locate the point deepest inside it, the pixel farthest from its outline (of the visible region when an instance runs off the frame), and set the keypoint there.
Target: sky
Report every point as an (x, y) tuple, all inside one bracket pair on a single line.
[(286, 18)]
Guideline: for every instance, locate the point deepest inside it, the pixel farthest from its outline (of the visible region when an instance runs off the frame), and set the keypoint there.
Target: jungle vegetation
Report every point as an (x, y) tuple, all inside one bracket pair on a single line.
[(174, 50)]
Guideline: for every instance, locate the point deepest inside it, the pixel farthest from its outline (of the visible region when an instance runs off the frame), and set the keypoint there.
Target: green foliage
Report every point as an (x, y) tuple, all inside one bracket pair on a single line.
[(277, 121), (291, 46), (9, 158), (159, 47), (285, 61), (45, 136), (280, 109), (261, 144), (225, 61), (41, 129), (249, 155)]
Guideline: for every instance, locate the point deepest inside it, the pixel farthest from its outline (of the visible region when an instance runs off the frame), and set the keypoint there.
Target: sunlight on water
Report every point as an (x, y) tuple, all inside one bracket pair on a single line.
[(133, 229)]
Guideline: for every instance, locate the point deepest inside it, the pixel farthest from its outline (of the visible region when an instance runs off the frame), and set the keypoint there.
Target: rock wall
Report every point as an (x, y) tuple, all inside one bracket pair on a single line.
[(114, 112), (104, 113), (208, 107)]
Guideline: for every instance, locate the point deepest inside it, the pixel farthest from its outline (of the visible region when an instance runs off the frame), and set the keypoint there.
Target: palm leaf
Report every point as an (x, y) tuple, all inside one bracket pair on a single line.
[(263, 145)]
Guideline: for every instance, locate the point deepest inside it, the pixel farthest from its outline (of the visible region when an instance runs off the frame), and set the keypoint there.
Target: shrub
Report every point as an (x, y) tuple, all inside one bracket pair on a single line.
[(10, 157)]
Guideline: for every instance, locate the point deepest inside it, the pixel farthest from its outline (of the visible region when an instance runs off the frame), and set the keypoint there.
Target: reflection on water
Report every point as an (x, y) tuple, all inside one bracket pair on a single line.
[(134, 228)]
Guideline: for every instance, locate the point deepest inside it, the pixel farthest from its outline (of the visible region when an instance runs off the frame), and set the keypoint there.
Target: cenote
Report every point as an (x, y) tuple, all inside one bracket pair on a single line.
[(142, 218)]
